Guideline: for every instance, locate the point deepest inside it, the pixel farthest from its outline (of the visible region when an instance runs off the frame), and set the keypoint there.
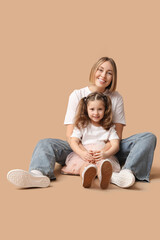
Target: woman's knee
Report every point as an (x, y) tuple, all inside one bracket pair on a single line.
[(47, 143), (149, 139), (153, 138)]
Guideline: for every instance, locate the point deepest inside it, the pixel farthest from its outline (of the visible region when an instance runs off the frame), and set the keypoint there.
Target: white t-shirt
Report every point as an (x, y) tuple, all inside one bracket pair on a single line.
[(93, 134), (77, 95)]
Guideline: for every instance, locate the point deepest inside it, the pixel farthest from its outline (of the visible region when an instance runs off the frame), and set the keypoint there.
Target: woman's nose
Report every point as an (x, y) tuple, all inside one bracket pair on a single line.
[(103, 74)]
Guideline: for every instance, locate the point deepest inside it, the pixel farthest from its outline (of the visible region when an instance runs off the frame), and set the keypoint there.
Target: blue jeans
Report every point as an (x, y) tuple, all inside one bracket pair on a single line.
[(136, 153)]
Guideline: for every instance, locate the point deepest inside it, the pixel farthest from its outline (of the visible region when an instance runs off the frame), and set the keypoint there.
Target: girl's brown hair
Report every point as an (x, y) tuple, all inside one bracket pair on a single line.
[(113, 84), (82, 119)]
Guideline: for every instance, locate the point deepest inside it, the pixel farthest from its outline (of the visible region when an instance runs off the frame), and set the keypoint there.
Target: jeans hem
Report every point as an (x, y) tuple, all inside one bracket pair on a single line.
[(146, 179), (143, 179), (51, 176)]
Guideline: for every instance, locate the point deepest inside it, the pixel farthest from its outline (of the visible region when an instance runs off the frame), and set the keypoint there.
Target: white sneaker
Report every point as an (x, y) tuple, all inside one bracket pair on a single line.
[(24, 179), (104, 173), (88, 175), (123, 179)]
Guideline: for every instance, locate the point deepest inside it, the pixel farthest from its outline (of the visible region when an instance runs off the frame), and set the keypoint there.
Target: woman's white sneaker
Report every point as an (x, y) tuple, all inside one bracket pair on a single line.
[(123, 179), (24, 179)]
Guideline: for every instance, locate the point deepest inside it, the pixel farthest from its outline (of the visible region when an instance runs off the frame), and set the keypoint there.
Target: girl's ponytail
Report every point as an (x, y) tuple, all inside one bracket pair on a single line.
[(107, 119), (81, 118)]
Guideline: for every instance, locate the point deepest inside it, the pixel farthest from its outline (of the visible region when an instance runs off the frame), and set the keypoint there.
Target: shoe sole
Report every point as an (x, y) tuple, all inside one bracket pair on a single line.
[(24, 179), (89, 176), (106, 173)]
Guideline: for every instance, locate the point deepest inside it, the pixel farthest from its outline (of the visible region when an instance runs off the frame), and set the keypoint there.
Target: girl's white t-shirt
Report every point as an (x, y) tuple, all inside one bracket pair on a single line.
[(93, 134), (77, 95)]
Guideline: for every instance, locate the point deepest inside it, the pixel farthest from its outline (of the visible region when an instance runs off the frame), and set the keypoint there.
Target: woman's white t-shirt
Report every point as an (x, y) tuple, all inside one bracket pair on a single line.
[(77, 95), (94, 134)]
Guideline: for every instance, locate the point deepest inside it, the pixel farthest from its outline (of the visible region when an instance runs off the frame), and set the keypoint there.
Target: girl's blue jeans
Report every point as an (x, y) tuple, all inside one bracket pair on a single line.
[(136, 153)]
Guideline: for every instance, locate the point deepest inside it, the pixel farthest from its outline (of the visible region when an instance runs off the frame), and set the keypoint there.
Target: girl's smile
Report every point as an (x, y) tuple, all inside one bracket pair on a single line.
[(95, 111)]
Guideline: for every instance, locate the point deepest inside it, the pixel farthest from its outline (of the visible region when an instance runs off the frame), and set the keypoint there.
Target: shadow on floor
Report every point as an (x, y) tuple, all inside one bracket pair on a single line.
[(155, 173)]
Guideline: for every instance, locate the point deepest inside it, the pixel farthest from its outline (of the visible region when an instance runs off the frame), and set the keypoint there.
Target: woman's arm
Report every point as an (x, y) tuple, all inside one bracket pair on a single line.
[(119, 129)]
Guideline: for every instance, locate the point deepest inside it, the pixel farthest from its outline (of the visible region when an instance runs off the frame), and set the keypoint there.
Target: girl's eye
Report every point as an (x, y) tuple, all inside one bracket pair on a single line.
[(100, 70), (109, 73)]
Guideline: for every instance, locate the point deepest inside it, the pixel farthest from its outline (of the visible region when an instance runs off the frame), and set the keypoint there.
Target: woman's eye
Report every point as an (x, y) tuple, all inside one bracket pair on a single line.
[(100, 70)]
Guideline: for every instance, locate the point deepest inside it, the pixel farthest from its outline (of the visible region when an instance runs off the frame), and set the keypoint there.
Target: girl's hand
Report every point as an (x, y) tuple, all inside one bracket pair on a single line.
[(98, 156), (87, 156), (92, 153)]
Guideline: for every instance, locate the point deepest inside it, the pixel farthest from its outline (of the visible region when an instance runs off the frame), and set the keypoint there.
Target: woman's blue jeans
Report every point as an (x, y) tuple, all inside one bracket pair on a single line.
[(136, 153)]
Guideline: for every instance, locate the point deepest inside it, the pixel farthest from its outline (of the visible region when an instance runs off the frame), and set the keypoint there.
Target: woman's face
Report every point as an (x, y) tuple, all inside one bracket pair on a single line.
[(104, 75)]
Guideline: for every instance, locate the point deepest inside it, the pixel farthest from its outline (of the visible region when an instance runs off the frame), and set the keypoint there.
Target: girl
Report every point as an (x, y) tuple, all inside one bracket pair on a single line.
[(135, 154), (93, 127)]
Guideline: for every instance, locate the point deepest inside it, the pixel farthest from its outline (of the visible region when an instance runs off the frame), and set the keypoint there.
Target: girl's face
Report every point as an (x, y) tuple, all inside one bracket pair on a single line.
[(104, 75), (95, 111)]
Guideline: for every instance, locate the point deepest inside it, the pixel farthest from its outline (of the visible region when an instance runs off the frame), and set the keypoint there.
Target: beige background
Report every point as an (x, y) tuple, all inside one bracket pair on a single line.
[(47, 50)]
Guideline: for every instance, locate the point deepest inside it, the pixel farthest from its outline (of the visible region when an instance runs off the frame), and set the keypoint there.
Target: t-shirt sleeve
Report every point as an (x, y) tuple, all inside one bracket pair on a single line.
[(77, 133), (71, 108), (113, 134), (119, 115)]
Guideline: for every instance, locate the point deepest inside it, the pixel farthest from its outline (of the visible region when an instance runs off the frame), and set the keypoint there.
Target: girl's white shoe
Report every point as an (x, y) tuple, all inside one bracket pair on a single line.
[(88, 175), (24, 179), (123, 179), (104, 173)]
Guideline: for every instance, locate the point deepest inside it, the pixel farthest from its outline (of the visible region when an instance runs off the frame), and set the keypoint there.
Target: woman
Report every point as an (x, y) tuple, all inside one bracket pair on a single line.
[(136, 152)]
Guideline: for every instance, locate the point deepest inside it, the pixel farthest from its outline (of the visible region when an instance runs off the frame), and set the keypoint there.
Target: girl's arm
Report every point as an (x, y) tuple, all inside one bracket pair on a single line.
[(75, 144), (113, 149), (119, 130), (69, 131), (106, 154)]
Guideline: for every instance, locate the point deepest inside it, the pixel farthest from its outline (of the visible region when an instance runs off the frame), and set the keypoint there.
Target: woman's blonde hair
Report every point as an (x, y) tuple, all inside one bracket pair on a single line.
[(113, 84), (82, 119)]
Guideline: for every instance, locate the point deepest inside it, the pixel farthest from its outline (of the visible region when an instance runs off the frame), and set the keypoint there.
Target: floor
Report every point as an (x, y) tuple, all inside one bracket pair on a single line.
[(66, 210)]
